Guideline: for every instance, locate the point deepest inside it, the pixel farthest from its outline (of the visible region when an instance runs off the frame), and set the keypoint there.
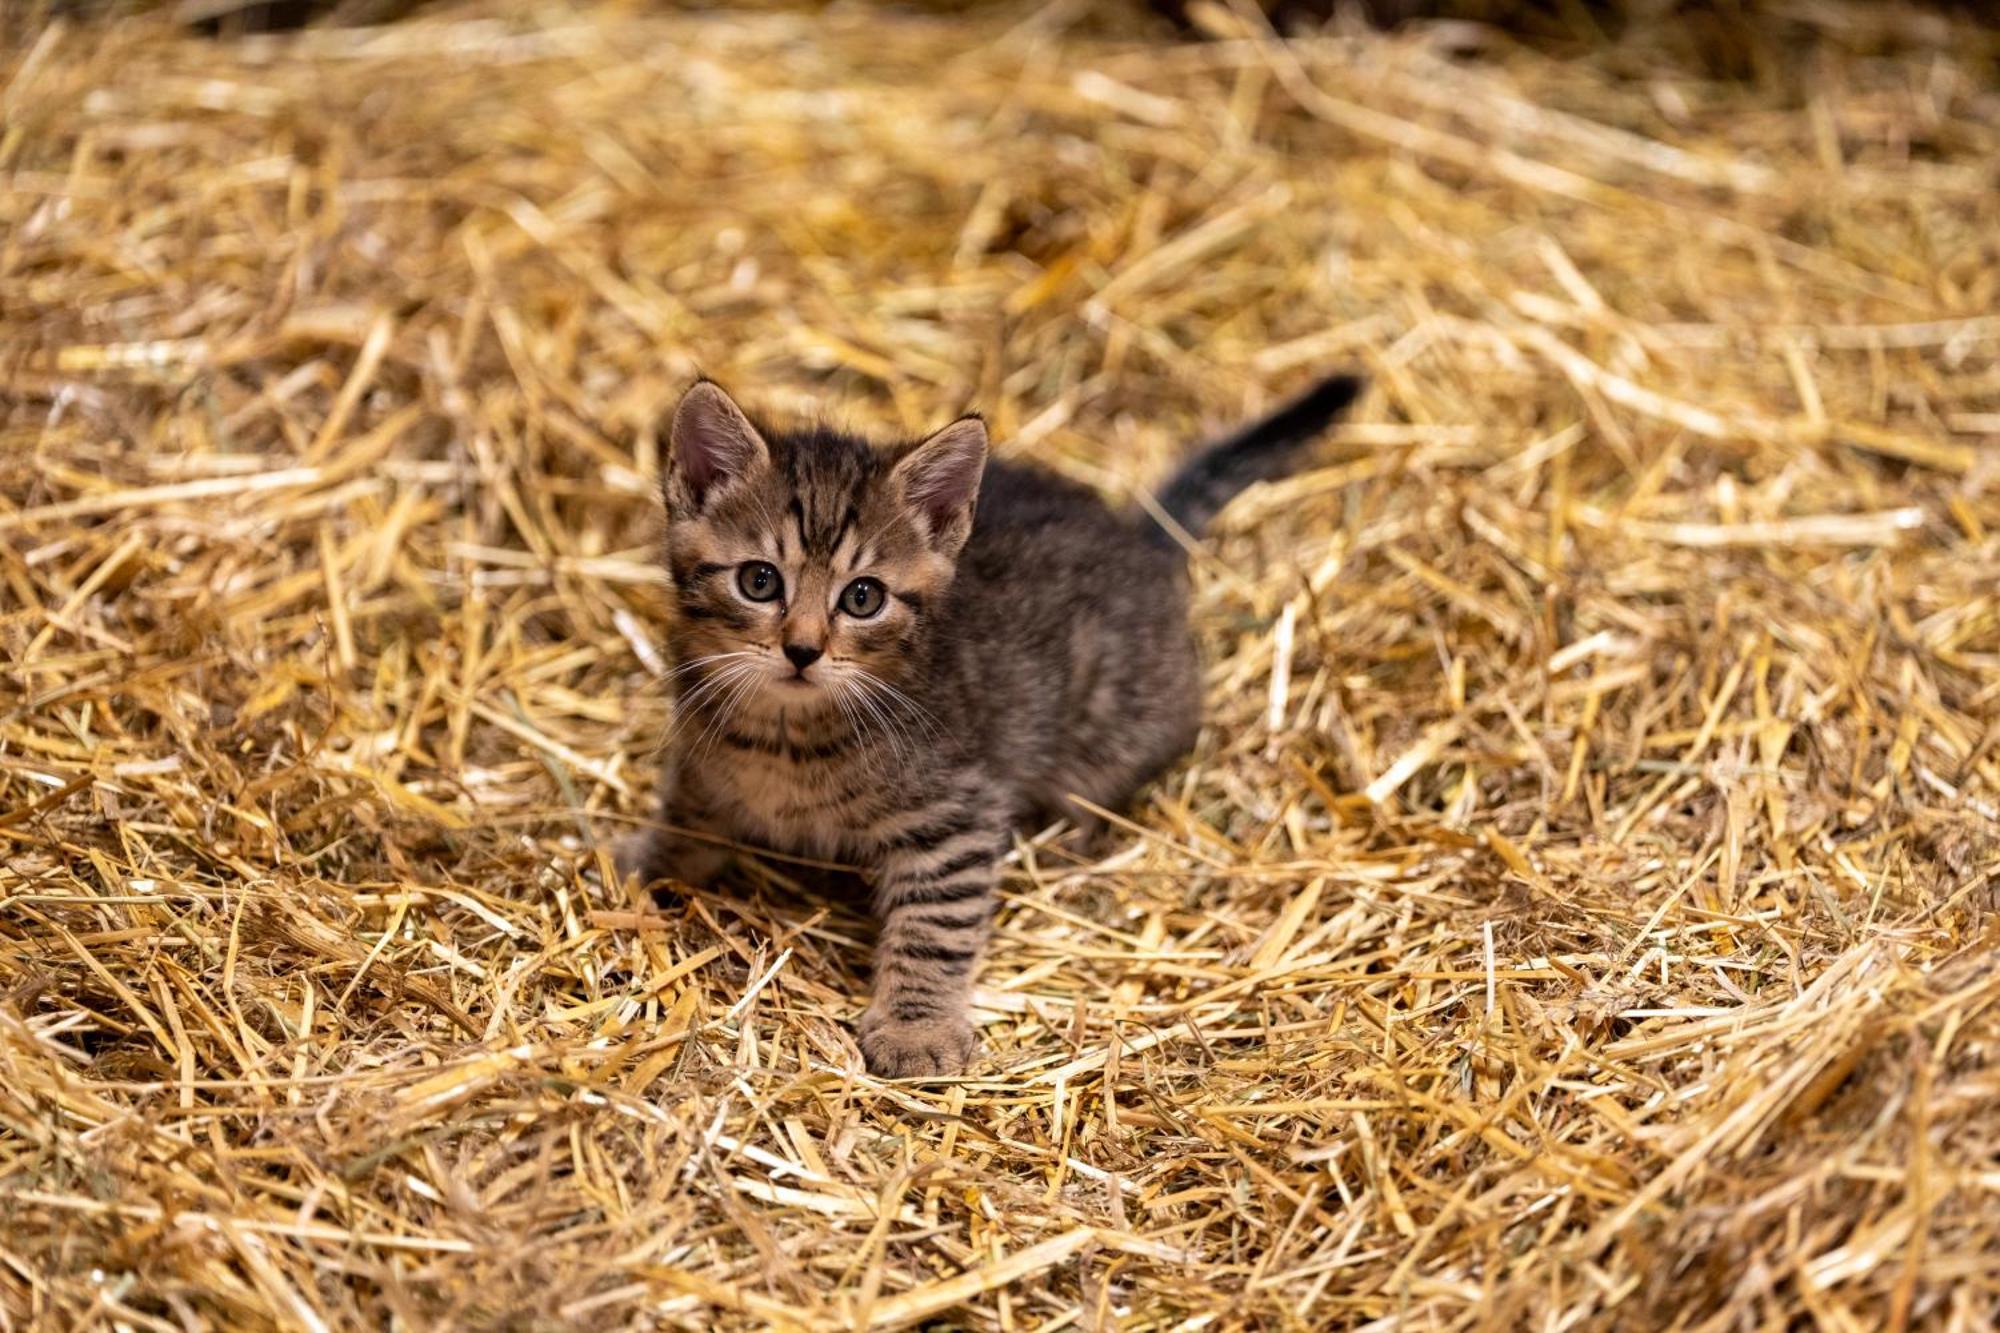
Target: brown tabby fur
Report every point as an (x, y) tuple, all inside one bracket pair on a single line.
[(1039, 653)]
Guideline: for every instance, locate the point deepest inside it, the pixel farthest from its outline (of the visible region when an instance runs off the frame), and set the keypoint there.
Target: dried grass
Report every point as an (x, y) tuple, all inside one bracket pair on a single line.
[(1578, 913)]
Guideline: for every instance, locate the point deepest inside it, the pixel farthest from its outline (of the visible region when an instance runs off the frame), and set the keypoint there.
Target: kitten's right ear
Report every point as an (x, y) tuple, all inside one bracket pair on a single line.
[(711, 445)]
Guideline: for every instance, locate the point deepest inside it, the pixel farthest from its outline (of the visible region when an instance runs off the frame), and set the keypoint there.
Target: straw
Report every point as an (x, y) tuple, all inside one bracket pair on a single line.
[(1576, 913)]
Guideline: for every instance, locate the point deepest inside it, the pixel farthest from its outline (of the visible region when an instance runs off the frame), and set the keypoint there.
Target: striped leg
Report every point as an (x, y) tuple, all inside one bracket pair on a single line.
[(935, 897)]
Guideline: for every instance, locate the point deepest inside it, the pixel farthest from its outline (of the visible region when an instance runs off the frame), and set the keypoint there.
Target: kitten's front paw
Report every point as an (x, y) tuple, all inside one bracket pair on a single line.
[(635, 854), (923, 1048), (654, 855)]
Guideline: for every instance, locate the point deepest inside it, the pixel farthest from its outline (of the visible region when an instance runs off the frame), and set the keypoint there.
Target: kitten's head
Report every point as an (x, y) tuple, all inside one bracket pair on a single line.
[(806, 562)]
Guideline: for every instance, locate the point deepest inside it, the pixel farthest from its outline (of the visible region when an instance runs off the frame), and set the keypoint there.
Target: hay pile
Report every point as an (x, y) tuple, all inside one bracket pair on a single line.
[(1579, 912)]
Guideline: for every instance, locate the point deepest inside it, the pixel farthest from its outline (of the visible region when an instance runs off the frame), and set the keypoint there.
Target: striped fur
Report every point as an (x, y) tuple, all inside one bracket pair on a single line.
[(1009, 664)]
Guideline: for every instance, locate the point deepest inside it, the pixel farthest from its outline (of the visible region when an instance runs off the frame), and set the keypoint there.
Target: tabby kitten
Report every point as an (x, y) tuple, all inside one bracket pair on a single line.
[(868, 674)]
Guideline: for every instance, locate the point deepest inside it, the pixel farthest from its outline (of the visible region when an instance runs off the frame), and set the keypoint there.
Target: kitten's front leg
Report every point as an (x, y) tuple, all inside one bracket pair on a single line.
[(669, 850), (654, 854), (935, 897)]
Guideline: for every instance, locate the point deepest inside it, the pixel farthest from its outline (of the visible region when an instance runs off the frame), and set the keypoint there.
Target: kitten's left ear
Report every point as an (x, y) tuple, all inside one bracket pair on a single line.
[(939, 479)]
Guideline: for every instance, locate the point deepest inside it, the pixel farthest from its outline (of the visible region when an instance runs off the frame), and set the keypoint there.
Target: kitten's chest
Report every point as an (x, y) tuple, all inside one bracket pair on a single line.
[(809, 806)]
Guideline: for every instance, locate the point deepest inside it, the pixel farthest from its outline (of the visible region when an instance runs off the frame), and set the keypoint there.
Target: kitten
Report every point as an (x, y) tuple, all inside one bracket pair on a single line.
[(870, 674)]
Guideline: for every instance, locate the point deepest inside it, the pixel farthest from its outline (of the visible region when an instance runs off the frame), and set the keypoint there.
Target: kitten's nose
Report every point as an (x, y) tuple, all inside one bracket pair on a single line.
[(802, 655)]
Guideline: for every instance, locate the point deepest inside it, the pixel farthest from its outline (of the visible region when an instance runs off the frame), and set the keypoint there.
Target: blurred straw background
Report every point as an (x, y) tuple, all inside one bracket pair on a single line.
[(1579, 913)]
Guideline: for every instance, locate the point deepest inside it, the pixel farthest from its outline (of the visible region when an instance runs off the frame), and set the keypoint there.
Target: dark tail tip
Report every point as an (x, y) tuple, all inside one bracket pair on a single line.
[(1314, 410), (1264, 450)]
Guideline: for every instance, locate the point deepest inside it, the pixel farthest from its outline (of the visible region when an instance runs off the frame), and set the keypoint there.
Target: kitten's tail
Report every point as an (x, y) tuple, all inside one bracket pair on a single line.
[(1260, 451)]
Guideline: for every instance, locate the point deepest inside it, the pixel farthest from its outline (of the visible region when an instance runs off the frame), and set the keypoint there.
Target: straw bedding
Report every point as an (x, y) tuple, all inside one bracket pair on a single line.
[(1579, 910)]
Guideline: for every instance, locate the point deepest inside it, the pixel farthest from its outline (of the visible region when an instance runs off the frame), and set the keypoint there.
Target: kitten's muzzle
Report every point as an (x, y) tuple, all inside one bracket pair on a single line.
[(802, 655)]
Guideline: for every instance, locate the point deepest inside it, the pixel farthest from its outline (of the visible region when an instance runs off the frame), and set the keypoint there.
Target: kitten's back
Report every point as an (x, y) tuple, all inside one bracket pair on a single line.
[(1066, 661)]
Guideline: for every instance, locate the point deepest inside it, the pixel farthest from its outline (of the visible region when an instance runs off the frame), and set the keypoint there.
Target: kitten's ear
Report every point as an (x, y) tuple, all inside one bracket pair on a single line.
[(939, 479), (710, 445)]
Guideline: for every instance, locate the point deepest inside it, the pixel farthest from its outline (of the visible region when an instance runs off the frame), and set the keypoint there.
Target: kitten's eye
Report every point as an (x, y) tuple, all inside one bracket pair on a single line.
[(760, 582), (862, 598)]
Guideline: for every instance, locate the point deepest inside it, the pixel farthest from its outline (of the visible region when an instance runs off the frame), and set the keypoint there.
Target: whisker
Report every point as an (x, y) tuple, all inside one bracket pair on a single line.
[(695, 663), (726, 710), (923, 716), (692, 704), (839, 694), (899, 738), (708, 685), (846, 697)]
